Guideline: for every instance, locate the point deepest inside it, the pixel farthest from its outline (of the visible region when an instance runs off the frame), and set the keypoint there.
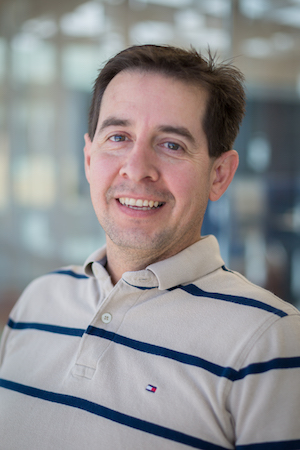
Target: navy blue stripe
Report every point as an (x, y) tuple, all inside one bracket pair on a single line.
[(45, 327), (282, 445), (162, 351), (277, 363), (143, 288), (185, 358), (70, 273), (111, 414), (226, 269), (194, 290)]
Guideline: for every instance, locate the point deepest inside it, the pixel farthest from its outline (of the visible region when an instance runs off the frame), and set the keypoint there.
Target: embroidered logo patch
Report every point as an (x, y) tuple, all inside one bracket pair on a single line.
[(151, 388)]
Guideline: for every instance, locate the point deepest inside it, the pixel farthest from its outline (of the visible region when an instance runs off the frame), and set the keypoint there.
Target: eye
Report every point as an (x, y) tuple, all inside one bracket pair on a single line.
[(172, 146), (118, 138)]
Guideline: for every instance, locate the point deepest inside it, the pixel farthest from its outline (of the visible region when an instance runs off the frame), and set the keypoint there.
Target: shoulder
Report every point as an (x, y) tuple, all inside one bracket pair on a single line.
[(236, 313), (68, 275), (233, 288), (56, 290)]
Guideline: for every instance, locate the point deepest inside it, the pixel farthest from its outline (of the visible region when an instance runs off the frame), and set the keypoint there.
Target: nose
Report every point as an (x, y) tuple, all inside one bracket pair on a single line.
[(140, 163)]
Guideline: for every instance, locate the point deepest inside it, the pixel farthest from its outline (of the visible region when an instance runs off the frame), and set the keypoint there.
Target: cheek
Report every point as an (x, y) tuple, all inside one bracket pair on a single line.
[(102, 172), (191, 189), (185, 182)]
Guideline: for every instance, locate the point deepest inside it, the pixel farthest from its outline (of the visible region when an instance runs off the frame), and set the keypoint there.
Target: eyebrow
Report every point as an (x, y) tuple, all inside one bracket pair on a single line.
[(114, 122), (180, 131)]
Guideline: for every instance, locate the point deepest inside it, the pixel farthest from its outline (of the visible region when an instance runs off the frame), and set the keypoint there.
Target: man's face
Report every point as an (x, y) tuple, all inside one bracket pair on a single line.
[(148, 165)]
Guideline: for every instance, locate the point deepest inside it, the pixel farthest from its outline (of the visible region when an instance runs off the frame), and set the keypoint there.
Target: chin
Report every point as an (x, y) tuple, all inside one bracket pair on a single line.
[(138, 241)]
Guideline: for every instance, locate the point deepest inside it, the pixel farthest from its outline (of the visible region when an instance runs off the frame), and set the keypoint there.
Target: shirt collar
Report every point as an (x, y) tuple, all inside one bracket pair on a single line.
[(190, 264), (98, 256)]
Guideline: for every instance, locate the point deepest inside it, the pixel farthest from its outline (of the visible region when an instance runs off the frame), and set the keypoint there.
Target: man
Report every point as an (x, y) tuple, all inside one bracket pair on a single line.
[(154, 343)]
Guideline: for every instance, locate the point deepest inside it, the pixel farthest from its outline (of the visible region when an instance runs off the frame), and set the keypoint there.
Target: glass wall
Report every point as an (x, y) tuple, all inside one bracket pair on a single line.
[(50, 53)]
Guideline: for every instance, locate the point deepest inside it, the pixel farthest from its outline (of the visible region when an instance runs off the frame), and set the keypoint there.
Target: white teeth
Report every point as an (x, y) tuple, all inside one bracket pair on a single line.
[(139, 203)]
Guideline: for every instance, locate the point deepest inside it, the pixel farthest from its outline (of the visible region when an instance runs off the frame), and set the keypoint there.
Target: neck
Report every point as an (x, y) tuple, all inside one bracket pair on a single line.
[(126, 259), (122, 260)]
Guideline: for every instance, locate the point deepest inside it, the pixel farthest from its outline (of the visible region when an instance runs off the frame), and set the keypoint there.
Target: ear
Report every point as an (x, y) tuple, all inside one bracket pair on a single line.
[(87, 155), (223, 171)]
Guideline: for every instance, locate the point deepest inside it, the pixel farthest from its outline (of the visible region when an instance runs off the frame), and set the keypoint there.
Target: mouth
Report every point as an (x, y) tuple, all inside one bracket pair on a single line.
[(140, 204)]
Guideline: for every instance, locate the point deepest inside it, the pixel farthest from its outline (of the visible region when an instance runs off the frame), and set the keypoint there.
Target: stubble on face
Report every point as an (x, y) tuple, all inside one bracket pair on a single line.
[(137, 238), (139, 247)]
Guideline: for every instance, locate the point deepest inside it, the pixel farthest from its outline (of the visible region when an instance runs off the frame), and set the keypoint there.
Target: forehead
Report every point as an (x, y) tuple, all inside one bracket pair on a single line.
[(153, 92)]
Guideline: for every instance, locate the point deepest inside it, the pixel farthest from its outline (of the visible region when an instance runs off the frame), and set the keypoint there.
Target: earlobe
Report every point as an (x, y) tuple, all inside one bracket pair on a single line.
[(87, 155), (223, 172)]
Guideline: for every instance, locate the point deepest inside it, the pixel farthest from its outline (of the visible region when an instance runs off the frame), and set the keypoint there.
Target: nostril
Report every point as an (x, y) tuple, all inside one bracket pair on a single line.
[(137, 170)]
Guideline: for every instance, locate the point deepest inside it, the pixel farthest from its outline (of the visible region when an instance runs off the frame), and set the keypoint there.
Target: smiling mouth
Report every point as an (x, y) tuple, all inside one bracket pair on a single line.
[(141, 205)]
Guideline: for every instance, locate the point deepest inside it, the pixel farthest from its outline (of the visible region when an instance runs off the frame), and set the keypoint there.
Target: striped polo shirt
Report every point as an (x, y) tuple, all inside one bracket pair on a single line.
[(184, 354)]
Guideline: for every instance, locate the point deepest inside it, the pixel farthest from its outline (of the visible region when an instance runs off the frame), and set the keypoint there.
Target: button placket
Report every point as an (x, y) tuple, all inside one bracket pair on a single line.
[(92, 347), (108, 318)]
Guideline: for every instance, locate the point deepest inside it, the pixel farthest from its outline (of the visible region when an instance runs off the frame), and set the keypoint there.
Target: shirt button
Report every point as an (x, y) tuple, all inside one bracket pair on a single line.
[(106, 317)]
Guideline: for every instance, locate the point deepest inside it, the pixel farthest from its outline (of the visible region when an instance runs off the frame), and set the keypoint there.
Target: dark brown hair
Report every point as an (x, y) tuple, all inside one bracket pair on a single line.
[(223, 82)]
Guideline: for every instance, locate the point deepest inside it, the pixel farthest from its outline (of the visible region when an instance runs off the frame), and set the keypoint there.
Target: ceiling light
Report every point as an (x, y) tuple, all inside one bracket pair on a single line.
[(219, 8), (43, 27), (171, 3), (254, 9), (287, 16), (152, 32), (259, 153), (189, 19), (87, 19)]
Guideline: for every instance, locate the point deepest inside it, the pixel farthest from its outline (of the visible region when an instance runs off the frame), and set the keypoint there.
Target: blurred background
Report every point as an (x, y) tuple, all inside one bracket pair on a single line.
[(50, 54)]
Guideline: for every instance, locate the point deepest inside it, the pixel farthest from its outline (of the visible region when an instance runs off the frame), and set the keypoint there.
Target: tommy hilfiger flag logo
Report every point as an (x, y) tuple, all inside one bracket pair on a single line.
[(151, 388)]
